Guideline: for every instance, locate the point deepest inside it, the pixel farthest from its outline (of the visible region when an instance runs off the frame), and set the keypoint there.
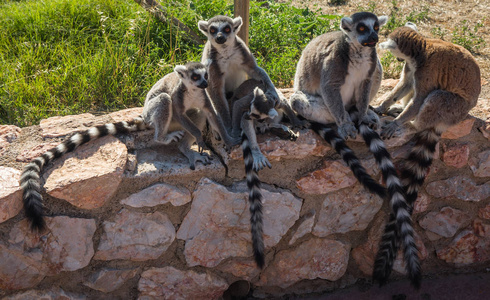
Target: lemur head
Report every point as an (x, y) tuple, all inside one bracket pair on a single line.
[(193, 75), (363, 27), (402, 41), (260, 107), (220, 30)]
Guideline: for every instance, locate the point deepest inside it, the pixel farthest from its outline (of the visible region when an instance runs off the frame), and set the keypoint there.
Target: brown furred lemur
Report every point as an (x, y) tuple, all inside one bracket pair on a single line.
[(441, 83)]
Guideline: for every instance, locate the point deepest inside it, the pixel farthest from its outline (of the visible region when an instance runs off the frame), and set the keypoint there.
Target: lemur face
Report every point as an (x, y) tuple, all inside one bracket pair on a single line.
[(363, 28), (194, 75), (260, 107), (220, 29)]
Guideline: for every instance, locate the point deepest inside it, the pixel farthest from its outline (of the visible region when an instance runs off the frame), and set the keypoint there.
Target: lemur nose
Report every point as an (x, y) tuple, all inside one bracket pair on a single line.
[(220, 38), (203, 85)]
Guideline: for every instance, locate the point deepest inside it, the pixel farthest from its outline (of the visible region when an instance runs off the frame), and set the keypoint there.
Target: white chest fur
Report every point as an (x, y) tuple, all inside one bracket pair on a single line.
[(193, 98), (231, 66), (357, 72)]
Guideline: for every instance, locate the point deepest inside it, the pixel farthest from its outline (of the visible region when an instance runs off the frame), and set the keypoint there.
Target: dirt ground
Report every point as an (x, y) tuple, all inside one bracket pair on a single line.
[(447, 15)]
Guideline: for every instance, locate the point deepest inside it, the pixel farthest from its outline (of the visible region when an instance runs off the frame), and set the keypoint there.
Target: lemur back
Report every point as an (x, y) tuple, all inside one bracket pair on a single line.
[(443, 81)]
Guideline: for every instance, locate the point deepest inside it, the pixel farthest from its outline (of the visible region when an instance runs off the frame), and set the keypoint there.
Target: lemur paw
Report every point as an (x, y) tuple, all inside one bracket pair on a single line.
[(380, 110), (201, 146), (173, 137), (195, 157), (390, 129), (260, 161), (370, 120), (347, 130), (394, 110), (300, 124)]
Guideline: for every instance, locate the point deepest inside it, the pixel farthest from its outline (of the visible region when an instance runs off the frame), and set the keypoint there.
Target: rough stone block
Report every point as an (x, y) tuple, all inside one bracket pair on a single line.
[(346, 210), (331, 177), (462, 188), (171, 283), (159, 194), (459, 130), (446, 222), (456, 155), (218, 225), (135, 236), (315, 258), (10, 193), (88, 177)]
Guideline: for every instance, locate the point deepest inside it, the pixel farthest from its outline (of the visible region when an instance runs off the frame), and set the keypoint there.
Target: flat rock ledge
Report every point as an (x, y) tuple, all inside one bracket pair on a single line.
[(130, 220)]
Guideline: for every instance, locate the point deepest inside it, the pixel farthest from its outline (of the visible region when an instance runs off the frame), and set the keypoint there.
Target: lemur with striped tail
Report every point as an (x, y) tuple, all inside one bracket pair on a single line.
[(252, 108), (177, 107), (230, 63), (337, 76), (439, 85)]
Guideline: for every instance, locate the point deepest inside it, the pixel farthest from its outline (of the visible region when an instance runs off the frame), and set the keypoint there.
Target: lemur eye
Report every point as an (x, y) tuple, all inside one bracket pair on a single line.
[(206, 76), (227, 29), (254, 116), (361, 28), (195, 77), (376, 27), (212, 30)]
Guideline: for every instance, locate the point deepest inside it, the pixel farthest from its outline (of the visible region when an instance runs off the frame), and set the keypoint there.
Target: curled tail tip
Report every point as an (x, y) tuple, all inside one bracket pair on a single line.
[(416, 280), (259, 259), (380, 277), (38, 224)]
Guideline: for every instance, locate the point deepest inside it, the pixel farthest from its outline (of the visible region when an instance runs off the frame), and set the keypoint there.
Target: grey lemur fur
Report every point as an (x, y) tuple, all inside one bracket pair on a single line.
[(176, 103), (338, 73), (442, 83), (230, 62)]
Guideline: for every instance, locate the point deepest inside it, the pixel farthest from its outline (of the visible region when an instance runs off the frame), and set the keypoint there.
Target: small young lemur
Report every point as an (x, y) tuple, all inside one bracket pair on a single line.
[(177, 103), (339, 72), (252, 108), (441, 82), (230, 63)]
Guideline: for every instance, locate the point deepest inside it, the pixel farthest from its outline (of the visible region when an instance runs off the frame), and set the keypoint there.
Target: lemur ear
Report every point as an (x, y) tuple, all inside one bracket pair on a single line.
[(411, 25), (346, 24), (382, 20), (180, 70), (237, 24), (203, 26), (258, 92)]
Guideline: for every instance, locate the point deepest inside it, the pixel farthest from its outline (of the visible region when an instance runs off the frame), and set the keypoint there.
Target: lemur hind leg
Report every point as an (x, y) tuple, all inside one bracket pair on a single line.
[(440, 110), (311, 107), (158, 114), (199, 118)]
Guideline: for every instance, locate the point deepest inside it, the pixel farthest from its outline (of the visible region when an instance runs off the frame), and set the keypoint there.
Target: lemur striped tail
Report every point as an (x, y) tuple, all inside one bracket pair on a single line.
[(255, 200), (399, 227), (30, 180), (331, 136)]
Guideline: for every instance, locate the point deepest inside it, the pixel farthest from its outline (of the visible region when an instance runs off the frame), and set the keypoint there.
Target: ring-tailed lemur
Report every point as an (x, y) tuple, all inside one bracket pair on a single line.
[(443, 81), (161, 111), (340, 72), (251, 108), (231, 62)]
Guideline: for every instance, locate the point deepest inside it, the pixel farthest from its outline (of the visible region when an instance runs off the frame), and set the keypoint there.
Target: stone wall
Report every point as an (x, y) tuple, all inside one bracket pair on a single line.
[(128, 219)]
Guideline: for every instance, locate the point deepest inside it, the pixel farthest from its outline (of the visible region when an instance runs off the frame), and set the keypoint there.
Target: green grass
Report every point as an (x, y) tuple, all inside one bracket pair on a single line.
[(64, 57)]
